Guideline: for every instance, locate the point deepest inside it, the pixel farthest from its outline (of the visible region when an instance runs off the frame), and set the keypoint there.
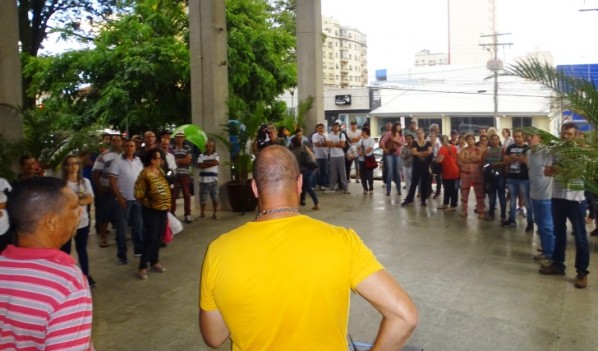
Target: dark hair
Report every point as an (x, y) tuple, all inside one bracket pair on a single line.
[(366, 130), (149, 155), (31, 199), (569, 125), (263, 139), (24, 158), (394, 128)]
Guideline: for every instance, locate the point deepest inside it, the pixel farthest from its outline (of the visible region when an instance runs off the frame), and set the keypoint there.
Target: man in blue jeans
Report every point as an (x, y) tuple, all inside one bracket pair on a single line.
[(518, 180), (538, 159), (567, 204), (123, 173)]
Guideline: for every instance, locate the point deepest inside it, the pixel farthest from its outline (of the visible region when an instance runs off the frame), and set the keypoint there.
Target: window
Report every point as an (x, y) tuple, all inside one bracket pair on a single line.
[(471, 124), (522, 122)]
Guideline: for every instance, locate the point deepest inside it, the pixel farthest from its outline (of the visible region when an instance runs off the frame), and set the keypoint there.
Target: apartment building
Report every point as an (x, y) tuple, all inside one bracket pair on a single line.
[(344, 55)]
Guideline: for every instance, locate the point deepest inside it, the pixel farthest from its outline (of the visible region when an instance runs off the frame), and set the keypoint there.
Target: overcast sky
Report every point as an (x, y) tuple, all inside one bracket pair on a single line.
[(397, 29)]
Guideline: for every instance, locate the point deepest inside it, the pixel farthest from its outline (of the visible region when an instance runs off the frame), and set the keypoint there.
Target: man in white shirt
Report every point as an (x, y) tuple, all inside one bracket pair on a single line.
[(336, 142), (123, 173), (354, 136), (318, 140), (567, 204)]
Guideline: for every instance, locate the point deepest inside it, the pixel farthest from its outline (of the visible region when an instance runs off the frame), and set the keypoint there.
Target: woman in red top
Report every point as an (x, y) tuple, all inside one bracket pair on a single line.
[(447, 157)]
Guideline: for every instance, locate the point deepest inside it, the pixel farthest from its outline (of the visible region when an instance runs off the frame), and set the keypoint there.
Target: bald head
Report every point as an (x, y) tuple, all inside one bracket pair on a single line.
[(276, 169)]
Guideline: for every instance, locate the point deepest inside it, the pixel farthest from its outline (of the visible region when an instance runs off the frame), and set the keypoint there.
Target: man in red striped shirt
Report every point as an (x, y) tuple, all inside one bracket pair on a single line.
[(45, 302)]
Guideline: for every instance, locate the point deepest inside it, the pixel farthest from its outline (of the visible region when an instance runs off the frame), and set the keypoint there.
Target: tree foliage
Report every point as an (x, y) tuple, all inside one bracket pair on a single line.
[(260, 54), (138, 71), (578, 159)]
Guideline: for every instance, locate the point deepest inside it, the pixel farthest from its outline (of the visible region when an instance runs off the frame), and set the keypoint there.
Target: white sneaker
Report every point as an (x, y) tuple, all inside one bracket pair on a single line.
[(329, 191)]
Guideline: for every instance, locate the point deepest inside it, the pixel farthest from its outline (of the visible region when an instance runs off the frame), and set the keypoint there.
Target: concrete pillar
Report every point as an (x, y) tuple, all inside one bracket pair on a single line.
[(209, 74), (11, 123), (309, 59)]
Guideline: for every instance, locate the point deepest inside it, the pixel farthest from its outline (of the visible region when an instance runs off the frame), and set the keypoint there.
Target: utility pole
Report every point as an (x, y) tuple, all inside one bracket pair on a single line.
[(494, 64)]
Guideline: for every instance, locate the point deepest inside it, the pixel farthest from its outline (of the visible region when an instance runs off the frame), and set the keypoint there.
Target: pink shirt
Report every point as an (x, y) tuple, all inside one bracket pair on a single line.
[(45, 302), (399, 142)]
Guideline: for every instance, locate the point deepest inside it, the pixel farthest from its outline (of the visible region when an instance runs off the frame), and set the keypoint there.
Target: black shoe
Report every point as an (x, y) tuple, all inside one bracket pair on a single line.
[(594, 232), (406, 203), (163, 244), (509, 224), (424, 203), (302, 202), (122, 261), (529, 228), (92, 283)]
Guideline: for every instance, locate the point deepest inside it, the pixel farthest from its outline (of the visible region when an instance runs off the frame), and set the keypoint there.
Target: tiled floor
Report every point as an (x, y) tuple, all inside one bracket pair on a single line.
[(475, 284)]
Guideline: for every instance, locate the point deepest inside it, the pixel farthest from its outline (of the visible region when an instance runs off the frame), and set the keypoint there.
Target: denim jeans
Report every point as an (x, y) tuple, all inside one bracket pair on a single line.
[(392, 164), (517, 186), (306, 186), (154, 222), (572, 210), (543, 218), (81, 247), (125, 216), (367, 177), (496, 188), (322, 175)]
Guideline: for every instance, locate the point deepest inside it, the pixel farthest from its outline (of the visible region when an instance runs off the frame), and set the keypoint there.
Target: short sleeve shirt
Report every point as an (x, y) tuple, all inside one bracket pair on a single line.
[(517, 170)]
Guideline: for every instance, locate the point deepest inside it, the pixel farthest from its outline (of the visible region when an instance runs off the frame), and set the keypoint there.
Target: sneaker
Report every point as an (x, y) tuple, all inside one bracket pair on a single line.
[(552, 269), (122, 261), (540, 257), (594, 232), (346, 191), (581, 281), (522, 211), (137, 254), (187, 219), (509, 224), (489, 217), (545, 262), (443, 207), (529, 228), (406, 203), (329, 191), (424, 203)]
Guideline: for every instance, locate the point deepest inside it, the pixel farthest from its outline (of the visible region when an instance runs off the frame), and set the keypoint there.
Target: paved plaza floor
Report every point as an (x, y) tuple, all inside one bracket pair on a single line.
[(474, 283)]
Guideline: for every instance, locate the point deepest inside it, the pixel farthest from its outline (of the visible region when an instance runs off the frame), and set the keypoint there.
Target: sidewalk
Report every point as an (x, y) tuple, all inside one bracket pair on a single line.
[(475, 284)]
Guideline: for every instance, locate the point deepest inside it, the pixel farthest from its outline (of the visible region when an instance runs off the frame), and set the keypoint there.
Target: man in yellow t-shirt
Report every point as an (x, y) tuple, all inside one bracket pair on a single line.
[(283, 281)]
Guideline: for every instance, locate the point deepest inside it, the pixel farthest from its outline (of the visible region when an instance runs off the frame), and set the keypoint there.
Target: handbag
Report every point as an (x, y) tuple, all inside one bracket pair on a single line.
[(436, 168), (369, 162)]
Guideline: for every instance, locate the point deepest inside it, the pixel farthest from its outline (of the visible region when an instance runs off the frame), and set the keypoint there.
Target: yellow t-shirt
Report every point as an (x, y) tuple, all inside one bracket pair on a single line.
[(284, 284)]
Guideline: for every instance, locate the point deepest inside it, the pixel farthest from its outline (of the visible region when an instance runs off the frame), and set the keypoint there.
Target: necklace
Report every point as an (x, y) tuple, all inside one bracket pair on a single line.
[(277, 210)]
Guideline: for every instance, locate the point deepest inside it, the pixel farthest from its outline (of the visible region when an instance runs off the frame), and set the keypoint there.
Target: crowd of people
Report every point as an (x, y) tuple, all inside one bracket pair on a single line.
[(516, 170), (135, 183)]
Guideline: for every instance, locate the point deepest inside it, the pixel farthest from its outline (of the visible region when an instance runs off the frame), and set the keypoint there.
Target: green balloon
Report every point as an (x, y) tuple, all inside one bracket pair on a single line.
[(199, 139), (188, 130)]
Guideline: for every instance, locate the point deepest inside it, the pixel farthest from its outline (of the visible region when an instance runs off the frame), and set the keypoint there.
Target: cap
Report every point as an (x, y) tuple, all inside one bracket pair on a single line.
[(180, 134), (338, 121)]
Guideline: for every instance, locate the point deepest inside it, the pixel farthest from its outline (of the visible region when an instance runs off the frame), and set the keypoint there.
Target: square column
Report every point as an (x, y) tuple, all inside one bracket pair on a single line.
[(309, 59), (11, 123)]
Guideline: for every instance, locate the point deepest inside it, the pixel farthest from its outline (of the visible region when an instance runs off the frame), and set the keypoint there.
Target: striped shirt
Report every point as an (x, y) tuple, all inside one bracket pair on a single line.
[(45, 302)]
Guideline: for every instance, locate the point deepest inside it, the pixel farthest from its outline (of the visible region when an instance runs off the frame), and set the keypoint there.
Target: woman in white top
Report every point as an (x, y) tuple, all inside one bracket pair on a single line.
[(365, 147), (71, 173)]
